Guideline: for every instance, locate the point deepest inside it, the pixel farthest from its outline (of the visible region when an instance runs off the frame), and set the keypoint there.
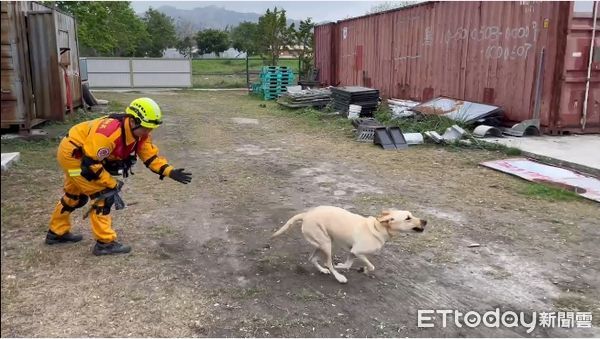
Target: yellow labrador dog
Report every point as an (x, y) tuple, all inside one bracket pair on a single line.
[(328, 226)]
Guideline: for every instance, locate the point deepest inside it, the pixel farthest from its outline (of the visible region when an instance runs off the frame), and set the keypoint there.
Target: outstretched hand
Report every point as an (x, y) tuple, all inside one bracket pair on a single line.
[(181, 176)]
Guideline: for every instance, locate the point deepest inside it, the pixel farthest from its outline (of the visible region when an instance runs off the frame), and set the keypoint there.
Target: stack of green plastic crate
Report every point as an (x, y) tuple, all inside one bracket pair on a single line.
[(275, 80)]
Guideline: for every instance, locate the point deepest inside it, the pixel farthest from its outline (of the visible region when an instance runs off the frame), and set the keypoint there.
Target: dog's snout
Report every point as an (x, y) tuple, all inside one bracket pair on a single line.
[(423, 222), (418, 229)]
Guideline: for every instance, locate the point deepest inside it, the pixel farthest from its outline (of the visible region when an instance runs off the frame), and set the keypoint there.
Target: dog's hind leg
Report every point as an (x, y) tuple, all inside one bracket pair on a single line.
[(348, 263), (314, 259)]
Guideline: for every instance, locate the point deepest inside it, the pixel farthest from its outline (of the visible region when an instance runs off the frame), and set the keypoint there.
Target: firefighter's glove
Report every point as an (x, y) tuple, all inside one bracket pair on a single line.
[(114, 199), (181, 176)]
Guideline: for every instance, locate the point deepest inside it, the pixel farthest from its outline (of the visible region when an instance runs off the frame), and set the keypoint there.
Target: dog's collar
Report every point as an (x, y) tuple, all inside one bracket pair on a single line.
[(377, 225)]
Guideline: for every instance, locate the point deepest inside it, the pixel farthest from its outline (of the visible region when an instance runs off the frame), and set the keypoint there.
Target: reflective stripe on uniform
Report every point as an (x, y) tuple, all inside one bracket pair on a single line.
[(74, 172)]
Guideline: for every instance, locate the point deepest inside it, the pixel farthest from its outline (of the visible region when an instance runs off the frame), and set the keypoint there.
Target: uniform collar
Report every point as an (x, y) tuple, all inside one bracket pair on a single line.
[(129, 137)]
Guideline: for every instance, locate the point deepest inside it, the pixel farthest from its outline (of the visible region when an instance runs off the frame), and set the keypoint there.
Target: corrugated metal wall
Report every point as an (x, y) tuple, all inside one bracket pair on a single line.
[(134, 72), (479, 51), (16, 87), (571, 92), (32, 35), (66, 33), (46, 78), (323, 34)]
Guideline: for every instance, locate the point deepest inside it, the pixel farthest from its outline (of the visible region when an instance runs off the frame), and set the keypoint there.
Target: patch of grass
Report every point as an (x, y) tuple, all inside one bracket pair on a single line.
[(549, 193), (219, 81), (35, 154), (271, 260), (246, 293), (417, 124), (488, 146), (162, 231), (231, 66), (317, 119), (421, 124), (498, 273), (569, 233), (306, 295), (569, 302)]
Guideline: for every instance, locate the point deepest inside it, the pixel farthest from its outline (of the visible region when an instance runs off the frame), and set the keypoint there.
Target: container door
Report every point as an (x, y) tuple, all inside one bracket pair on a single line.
[(571, 116)]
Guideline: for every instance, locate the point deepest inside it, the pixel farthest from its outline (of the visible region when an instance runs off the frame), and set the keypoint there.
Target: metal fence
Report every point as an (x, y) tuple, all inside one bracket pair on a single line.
[(136, 72)]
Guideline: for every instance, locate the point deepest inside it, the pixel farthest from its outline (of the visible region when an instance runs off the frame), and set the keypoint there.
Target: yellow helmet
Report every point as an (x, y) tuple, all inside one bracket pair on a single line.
[(146, 112)]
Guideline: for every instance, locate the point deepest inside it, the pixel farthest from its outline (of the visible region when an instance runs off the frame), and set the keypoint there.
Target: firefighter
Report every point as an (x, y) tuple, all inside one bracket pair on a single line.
[(91, 154)]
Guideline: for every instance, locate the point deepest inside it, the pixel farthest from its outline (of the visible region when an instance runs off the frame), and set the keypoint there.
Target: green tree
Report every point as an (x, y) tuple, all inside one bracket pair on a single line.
[(389, 5), (274, 35), (212, 41), (304, 39), (244, 38), (105, 28), (185, 46), (161, 34)]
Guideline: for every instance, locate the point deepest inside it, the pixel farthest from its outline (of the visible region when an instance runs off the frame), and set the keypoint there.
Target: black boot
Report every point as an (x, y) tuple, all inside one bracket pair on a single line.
[(53, 238), (114, 247)]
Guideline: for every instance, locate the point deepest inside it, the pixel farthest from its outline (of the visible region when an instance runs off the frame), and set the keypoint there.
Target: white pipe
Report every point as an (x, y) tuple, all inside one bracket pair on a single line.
[(589, 70)]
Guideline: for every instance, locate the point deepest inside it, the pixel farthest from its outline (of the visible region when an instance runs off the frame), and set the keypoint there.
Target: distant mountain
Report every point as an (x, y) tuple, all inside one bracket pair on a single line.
[(200, 18)]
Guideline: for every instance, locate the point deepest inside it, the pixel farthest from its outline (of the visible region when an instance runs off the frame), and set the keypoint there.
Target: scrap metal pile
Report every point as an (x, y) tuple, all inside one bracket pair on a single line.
[(343, 97), (319, 97)]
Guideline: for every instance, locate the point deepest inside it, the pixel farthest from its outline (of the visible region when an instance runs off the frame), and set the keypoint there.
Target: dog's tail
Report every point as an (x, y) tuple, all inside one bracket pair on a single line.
[(288, 224)]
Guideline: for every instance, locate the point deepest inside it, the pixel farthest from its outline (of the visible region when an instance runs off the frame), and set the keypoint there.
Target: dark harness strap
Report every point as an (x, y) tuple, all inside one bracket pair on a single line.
[(82, 200), (130, 160)]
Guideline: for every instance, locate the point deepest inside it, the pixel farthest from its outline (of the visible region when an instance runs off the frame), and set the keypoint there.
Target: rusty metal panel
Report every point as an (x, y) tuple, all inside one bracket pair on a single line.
[(66, 37), (493, 52), (323, 56), (49, 100), (570, 115), (14, 110)]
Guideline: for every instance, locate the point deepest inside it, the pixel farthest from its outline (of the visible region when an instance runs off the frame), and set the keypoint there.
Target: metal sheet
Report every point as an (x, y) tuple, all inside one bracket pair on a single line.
[(49, 98), (585, 186), (457, 110), (109, 80), (66, 35), (119, 72), (478, 51), (15, 105), (83, 69), (162, 80), (161, 65), (571, 89), (323, 57), (108, 65)]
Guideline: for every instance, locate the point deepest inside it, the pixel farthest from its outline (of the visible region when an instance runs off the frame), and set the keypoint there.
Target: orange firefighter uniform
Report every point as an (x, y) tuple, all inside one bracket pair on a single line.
[(85, 155)]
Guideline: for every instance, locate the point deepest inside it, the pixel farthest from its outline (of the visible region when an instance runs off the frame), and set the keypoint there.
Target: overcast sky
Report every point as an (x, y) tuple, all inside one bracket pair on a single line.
[(318, 10)]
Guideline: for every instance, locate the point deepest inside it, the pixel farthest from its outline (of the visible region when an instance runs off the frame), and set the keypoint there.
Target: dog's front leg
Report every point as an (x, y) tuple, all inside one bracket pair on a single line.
[(348, 263)]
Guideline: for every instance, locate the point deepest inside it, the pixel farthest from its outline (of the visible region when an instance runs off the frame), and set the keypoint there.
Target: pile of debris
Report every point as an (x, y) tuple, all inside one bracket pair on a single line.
[(466, 112), (486, 119), (296, 98), (371, 130), (402, 108), (343, 97)]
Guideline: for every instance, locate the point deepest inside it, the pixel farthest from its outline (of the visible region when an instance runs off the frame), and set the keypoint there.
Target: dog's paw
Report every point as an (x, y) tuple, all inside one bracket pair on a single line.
[(325, 271), (341, 279)]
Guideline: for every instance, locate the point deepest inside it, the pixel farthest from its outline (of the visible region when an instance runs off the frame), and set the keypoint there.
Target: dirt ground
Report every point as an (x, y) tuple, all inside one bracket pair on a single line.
[(203, 264)]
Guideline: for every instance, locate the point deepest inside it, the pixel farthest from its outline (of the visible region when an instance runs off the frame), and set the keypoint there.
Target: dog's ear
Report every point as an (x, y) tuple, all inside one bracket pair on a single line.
[(385, 217)]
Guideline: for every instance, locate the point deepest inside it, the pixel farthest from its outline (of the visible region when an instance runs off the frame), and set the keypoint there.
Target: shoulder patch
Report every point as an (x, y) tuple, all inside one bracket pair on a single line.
[(108, 126), (103, 153)]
